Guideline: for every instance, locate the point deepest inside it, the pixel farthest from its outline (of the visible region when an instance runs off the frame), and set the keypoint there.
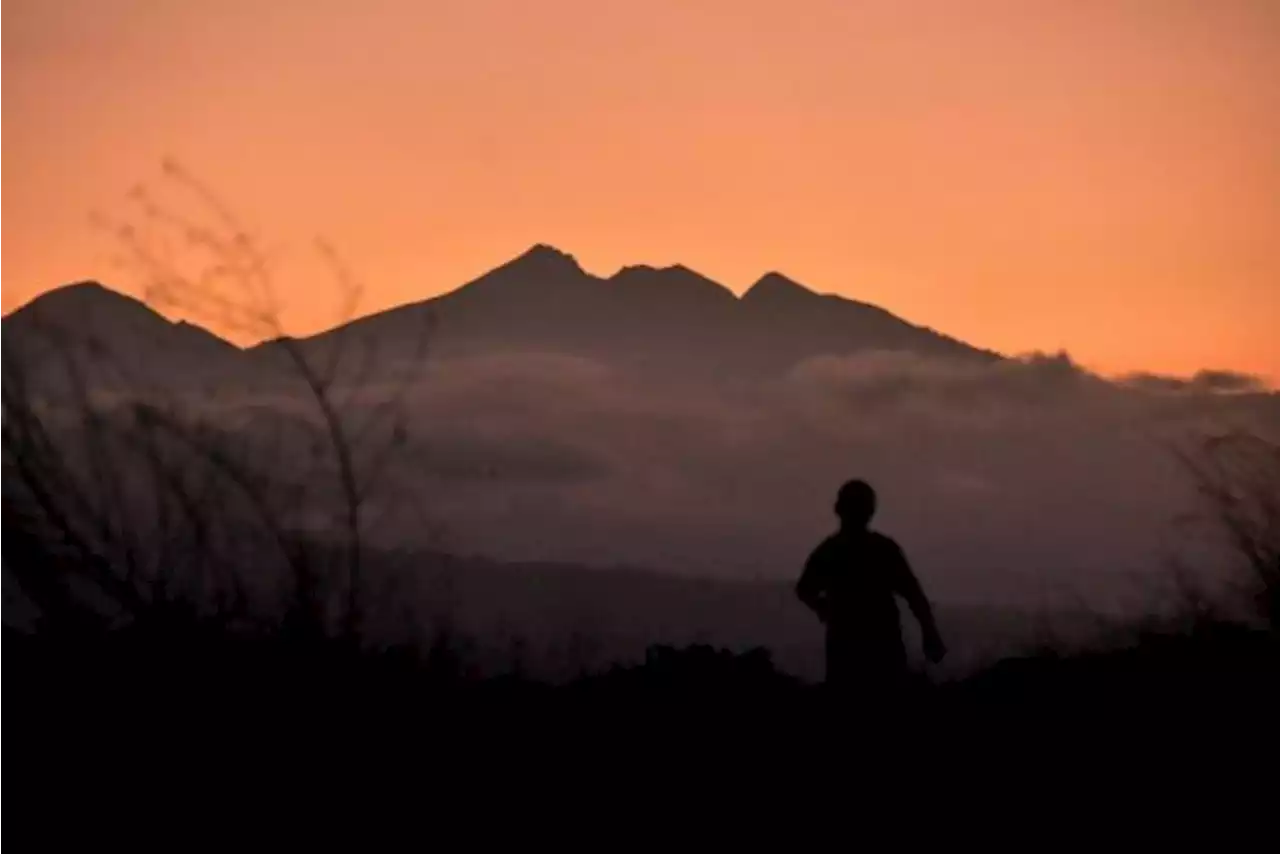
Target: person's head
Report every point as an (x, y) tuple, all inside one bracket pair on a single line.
[(856, 504)]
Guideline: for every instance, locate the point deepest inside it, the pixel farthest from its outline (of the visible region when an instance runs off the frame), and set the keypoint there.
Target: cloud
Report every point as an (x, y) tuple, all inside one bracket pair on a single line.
[(511, 455), (902, 378), (964, 482), (1002, 480), (1202, 382), (1227, 382)]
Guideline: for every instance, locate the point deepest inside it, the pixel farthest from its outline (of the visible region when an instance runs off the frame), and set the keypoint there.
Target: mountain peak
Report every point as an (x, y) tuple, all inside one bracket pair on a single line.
[(773, 286), (85, 286), (544, 257), (88, 289), (75, 299), (669, 281), (637, 272), (539, 270)]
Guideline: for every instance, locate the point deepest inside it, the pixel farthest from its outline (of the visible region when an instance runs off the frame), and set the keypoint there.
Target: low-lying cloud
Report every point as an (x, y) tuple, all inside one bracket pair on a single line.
[(1202, 382), (1028, 480)]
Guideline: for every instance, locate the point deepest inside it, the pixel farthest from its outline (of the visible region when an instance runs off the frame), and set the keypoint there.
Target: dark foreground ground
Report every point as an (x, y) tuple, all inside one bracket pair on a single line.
[(125, 734), (177, 733)]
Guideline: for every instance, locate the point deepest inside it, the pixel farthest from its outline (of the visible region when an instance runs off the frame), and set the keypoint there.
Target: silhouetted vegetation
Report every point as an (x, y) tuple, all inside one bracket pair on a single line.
[(1238, 477), (150, 507)]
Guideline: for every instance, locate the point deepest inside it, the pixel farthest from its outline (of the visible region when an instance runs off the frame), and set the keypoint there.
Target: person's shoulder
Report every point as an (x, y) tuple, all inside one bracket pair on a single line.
[(885, 542), (828, 543), (827, 546)]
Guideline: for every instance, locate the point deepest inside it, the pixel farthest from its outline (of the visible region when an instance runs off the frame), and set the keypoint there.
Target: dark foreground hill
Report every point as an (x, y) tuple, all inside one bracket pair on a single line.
[(145, 730)]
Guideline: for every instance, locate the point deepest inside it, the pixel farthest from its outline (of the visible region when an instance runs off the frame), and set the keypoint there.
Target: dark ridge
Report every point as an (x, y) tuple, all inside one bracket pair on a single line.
[(774, 286), (544, 257), (670, 280), (80, 296)]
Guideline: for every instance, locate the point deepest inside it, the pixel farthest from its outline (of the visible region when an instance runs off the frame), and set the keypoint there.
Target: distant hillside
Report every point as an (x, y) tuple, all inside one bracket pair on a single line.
[(570, 616), (113, 341)]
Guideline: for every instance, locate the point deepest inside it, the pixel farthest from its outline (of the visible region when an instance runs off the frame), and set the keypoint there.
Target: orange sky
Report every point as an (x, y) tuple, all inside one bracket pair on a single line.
[(1099, 175)]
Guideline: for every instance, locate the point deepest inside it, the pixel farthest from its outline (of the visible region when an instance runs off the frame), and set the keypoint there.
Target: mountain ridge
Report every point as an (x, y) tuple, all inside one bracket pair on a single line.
[(669, 320), (111, 337)]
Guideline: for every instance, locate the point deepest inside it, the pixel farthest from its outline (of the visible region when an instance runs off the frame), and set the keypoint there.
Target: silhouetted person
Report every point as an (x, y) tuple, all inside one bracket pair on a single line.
[(850, 582)]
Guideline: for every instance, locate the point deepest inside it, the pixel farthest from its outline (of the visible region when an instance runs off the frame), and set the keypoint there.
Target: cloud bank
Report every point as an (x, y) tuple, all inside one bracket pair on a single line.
[(1025, 479)]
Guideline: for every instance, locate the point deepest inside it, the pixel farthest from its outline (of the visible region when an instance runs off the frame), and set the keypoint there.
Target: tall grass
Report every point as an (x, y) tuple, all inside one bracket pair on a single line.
[(1237, 477), (125, 497)]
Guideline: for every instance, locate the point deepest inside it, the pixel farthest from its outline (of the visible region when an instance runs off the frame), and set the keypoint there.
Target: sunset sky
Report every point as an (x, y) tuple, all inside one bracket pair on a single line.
[(1096, 175)]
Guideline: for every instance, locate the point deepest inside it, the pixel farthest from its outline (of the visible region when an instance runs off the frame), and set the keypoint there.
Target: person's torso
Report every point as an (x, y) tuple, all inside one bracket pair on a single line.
[(861, 575)]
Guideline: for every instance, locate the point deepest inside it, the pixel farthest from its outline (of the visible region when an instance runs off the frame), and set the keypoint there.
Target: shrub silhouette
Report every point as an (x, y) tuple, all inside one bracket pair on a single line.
[(1237, 475), (126, 506)]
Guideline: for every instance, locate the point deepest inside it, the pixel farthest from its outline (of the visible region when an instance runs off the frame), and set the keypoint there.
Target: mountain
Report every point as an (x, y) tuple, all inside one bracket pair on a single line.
[(113, 341), (669, 322), (664, 323)]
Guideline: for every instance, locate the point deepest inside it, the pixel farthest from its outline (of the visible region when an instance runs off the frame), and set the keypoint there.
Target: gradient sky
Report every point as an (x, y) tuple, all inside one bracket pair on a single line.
[(1098, 175)]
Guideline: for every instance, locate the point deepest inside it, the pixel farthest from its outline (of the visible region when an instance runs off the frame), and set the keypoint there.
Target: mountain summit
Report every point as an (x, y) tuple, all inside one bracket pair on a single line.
[(675, 288), (118, 338), (542, 259), (668, 322), (776, 289)]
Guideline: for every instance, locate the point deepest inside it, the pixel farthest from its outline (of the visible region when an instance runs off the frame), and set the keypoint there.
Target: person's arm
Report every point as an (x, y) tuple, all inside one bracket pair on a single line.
[(811, 588), (909, 588)]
